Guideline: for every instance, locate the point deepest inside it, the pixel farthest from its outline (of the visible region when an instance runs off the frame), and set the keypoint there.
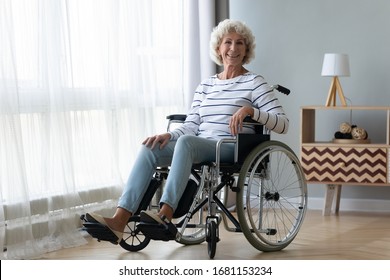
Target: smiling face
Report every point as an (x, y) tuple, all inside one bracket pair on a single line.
[(232, 49)]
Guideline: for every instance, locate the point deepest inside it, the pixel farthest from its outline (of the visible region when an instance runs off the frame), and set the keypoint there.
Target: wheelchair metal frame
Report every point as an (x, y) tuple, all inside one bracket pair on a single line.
[(261, 229)]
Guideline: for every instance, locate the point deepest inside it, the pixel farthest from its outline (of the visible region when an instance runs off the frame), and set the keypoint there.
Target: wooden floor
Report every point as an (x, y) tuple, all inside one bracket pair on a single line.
[(347, 236)]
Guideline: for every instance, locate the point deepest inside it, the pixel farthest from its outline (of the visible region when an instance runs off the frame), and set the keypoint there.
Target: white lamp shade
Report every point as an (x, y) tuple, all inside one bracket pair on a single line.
[(335, 64)]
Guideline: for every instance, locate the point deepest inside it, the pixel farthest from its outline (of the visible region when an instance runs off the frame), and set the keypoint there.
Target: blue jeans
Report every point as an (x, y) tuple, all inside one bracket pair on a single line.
[(180, 155)]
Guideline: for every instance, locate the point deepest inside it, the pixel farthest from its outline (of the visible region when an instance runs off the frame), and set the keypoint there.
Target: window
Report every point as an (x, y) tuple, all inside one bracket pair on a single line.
[(93, 78)]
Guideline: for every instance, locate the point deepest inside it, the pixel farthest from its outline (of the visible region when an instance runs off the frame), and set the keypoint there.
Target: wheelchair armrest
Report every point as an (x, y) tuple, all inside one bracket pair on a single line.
[(248, 119), (182, 118), (177, 117), (258, 126), (174, 119)]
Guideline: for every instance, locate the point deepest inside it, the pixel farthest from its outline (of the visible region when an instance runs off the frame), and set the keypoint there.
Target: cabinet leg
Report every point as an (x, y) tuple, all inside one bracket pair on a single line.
[(331, 190), (338, 198)]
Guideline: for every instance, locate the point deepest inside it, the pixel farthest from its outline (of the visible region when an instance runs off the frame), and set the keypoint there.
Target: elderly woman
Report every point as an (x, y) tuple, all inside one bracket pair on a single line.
[(219, 107)]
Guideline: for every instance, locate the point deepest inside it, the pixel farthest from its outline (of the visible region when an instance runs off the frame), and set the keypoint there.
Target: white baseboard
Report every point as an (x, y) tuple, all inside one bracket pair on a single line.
[(350, 204)]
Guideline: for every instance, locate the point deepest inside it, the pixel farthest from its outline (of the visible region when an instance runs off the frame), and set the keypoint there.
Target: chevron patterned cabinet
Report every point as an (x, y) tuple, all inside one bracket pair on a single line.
[(349, 162)]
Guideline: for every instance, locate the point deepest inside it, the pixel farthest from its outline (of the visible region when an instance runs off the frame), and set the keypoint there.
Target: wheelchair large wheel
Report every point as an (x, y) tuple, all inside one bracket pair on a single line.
[(133, 239), (272, 198)]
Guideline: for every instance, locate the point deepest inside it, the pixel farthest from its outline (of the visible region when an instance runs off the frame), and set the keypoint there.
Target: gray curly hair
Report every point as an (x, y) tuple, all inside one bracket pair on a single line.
[(227, 26)]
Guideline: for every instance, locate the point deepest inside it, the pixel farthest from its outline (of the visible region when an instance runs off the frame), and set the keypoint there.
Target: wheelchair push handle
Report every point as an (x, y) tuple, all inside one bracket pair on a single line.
[(282, 89)]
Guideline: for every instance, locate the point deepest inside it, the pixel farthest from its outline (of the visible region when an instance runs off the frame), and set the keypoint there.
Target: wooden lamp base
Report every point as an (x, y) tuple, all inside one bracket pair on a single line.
[(335, 86)]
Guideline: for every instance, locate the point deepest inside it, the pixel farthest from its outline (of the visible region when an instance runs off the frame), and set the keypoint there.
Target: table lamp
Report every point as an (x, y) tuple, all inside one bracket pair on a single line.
[(335, 65)]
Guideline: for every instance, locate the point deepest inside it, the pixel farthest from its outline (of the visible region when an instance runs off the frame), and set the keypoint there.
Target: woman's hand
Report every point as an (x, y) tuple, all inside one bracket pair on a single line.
[(161, 139), (235, 123)]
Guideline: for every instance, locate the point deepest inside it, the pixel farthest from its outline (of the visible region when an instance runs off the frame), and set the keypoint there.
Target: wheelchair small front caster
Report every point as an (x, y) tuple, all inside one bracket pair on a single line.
[(212, 238), (133, 239)]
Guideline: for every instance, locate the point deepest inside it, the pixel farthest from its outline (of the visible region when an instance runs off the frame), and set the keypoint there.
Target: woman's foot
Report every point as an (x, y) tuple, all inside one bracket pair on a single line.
[(152, 217), (113, 227), (112, 223), (157, 227), (98, 228), (164, 216), (166, 211)]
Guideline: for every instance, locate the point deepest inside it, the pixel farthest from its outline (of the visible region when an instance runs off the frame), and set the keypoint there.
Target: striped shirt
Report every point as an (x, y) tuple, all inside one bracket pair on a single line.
[(215, 101)]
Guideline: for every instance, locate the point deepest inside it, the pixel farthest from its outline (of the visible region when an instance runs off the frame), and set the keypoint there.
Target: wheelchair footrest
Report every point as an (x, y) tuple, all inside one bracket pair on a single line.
[(158, 231), (100, 232)]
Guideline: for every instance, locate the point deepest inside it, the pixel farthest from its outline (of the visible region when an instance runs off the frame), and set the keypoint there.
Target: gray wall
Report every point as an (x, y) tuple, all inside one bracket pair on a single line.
[(292, 37)]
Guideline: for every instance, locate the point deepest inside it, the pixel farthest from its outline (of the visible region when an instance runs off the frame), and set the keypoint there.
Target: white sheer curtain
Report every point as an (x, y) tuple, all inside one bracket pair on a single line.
[(200, 17), (82, 82)]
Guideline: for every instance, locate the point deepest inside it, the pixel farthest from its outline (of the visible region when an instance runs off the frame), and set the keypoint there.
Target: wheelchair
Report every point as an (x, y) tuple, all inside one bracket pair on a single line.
[(266, 178)]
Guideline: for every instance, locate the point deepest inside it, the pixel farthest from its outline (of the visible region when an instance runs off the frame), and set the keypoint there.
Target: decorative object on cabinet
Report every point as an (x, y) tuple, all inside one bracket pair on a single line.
[(351, 134), (335, 65), (336, 163)]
